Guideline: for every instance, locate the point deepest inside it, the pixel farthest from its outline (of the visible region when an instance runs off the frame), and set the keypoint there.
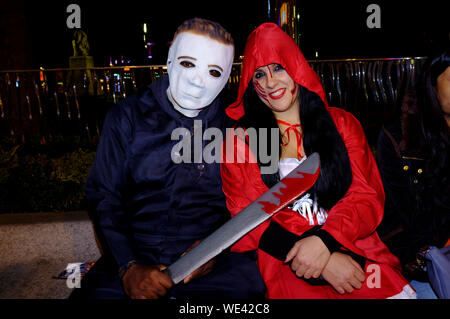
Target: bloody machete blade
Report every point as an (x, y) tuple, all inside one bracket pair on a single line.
[(295, 184)]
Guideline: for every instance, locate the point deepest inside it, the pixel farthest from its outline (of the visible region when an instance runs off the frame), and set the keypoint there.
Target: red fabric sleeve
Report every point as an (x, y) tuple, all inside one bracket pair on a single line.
[(352, 221), (356, 216), (242, 184)]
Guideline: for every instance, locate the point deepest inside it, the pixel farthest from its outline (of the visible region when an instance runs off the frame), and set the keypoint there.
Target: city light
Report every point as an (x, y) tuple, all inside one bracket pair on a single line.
[(283, 14)]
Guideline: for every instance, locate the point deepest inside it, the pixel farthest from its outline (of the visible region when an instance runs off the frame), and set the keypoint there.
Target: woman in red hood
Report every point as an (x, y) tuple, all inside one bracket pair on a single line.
[(324, 245)]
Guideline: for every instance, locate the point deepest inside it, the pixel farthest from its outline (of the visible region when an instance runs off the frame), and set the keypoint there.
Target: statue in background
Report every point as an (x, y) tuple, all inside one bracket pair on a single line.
[(80, 43), (82, 62)]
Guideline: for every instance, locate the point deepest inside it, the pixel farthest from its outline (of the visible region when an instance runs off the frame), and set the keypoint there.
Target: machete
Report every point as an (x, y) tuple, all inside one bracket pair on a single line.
[(295, 184)]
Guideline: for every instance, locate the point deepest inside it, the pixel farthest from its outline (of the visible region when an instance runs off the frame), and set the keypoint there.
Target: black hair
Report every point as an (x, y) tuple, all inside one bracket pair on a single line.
[(319, 135)]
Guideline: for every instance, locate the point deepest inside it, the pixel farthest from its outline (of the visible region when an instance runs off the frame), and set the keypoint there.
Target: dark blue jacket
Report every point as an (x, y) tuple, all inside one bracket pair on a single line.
[(147, 207)]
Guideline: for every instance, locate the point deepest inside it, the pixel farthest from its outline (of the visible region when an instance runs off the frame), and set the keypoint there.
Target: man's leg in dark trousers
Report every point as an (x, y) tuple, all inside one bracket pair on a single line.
[(100, 282), (235, 276)]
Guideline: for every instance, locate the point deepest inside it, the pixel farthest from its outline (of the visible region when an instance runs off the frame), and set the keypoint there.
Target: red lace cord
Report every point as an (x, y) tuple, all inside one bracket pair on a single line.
[(298, 134)]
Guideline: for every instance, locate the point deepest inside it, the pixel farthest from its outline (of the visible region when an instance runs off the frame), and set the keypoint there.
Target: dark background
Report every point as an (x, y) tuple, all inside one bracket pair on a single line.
[(35, 32), (44, 164)]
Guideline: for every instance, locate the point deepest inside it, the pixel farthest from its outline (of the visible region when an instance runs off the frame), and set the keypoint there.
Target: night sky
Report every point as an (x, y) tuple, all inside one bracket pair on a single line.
[(335, 30)]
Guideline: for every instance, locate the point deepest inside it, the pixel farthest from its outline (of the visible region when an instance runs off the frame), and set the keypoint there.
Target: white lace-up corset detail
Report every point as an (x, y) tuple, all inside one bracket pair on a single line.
[(306, 205)]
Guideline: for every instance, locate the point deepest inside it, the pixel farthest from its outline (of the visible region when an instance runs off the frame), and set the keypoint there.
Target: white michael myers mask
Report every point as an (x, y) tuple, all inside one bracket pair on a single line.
[(198, 68)]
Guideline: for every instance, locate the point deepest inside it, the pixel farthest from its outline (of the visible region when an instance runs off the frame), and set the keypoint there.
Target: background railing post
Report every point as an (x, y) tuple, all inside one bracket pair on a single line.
[(48, 102)]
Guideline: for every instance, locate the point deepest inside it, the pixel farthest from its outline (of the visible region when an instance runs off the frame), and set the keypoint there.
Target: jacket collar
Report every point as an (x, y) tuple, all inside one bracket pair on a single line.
[(155, 93)]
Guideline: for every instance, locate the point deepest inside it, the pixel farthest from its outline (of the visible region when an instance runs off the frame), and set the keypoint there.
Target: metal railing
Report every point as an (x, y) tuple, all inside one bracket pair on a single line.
[(47, 102), (371, 89)]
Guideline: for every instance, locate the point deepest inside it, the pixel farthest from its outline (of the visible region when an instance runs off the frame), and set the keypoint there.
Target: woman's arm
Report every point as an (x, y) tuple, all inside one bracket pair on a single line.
[(343, 273), (242, 184), (360, 211)]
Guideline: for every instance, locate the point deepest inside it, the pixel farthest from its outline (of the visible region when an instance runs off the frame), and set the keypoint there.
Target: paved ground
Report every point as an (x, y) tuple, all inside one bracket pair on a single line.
[(35, 247)]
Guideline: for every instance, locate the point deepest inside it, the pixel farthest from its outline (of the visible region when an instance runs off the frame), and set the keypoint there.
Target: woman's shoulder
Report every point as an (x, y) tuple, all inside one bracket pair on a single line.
[(345, 121), (236, 146), (340, 115)]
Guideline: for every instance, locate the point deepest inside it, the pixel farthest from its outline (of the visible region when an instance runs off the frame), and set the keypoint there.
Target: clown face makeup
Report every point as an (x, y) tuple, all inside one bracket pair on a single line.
[(198, 68), (276, 88)]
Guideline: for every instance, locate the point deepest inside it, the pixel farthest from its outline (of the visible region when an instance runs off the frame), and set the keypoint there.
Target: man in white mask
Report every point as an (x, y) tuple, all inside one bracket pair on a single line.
[(149, 210), (197, 75)]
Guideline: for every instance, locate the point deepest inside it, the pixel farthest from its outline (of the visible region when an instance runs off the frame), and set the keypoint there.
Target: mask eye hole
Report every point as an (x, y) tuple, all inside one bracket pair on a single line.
[(215, 73), (187, 64)]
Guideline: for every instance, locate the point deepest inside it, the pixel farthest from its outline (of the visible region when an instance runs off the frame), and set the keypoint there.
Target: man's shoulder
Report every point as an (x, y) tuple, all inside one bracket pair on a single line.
[(141, 101), (120, 110)]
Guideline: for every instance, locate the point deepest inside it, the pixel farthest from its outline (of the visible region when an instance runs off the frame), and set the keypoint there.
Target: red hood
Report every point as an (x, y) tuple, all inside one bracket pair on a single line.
[(269, 44)]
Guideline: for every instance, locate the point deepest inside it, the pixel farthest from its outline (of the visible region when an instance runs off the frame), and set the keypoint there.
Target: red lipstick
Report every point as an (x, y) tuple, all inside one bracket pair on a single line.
[(278, 94)]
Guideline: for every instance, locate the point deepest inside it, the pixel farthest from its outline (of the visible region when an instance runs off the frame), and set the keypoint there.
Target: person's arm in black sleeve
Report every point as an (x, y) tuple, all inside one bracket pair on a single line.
[(105, 186), (395, 186), (277, 241), (329, 241)]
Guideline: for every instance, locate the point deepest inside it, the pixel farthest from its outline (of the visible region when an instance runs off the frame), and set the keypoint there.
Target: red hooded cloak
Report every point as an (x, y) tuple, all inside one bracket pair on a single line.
[(352, 221)]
